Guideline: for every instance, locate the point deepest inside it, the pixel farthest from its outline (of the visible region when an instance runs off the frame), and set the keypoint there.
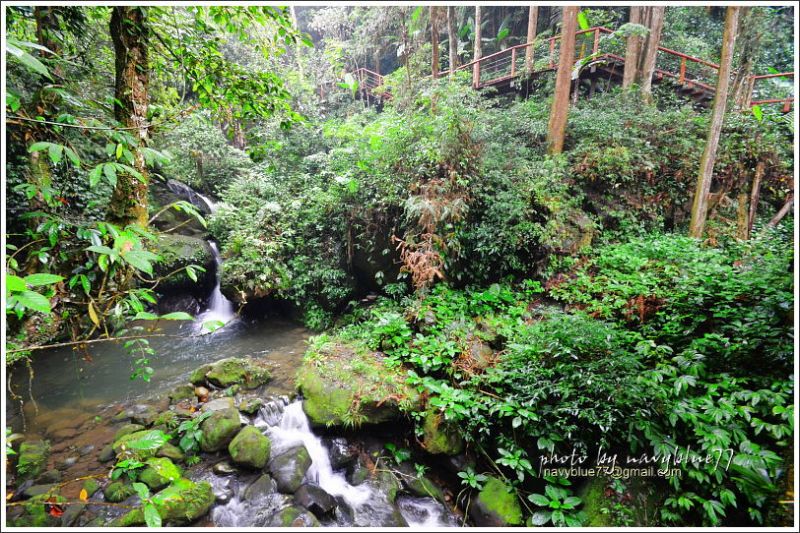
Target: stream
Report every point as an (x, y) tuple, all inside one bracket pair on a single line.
[(77, 394)]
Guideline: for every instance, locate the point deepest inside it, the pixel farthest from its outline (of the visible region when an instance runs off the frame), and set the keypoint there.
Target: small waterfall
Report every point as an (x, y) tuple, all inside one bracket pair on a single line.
[(220, 309)]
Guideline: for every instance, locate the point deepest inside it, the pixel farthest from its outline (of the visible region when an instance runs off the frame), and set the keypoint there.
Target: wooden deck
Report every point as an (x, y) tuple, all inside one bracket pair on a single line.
[(602, 57)]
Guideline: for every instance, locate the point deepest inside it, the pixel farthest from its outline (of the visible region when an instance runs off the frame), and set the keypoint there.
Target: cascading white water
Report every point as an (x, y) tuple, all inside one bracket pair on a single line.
[(220, 309), (294, 429)]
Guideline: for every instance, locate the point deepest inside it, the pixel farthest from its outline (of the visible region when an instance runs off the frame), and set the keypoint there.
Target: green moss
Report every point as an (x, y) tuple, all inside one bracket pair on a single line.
[(32, 459), (91, 486), (182, 502), (198, 375), (117, 491), (250, 448), (348, 385), (179, 251), (441, 436), (219, 429), (499, 499), (236, 371), (35, 513), (127, 429), (594, 501), (159, 473), (422, 486)]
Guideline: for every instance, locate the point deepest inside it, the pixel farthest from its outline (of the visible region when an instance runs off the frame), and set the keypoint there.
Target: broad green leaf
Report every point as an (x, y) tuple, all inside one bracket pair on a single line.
[(100, 249), (33, 300), (539, 499), (35, 280), (15, 284), (583, 20), (142, 315), (55, 151), (758, 113), (110, 173), (39, 146), (140, 260), (178, 315), (141, 490), (72, 156), (94, 175), (151, 516)]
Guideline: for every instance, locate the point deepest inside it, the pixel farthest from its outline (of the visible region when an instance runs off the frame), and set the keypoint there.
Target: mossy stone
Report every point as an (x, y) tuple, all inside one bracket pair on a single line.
[(181, 392), (170, 451), (117, 491), (440, 436), (348, 385), (32, 459), (178, 252), (250, 448), (237, 371), (496, 505), (422, 486), (35, 514), (127, 429), (289, 468), (159, 473), (294, 517), (219, 429), (91, 486), (198, 375), (182, 502), (250, 406)]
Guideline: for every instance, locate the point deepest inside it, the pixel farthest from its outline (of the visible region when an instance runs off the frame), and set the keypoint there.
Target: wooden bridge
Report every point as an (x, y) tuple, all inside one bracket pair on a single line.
[(602, 61)]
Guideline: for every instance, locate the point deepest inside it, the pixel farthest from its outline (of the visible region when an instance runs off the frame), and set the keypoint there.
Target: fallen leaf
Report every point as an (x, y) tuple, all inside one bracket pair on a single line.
[(83, 495)]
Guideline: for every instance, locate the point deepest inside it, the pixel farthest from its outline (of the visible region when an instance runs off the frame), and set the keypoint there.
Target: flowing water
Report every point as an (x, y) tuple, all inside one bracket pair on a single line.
[(75, 391)]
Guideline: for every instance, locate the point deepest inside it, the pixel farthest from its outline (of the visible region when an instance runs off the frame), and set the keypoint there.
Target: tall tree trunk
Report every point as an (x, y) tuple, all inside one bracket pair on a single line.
[(632, 50), (452, 38), (557, 125), (742, 232), (39, 172), (650, 52), (434, 41), (700, 204), (476, 68), (533, 21), (129, 34), (749, 41)]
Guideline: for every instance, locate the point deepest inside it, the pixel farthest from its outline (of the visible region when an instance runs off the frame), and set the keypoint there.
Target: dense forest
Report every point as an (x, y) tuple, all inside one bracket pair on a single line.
[(425, 266)]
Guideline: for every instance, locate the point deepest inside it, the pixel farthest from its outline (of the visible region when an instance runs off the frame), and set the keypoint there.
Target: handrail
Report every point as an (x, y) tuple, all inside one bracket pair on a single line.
[(493, 66)]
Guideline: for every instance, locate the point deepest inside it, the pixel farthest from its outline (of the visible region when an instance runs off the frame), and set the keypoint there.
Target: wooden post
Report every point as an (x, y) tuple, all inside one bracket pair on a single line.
[(596, 45), (632, 50), (682, 75), (552, 51), (557, 124), (755, 192), (705, 174)]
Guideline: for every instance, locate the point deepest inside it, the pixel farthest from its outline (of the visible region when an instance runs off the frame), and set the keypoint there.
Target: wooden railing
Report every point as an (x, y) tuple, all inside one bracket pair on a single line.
[(542, 55), (371, 84)]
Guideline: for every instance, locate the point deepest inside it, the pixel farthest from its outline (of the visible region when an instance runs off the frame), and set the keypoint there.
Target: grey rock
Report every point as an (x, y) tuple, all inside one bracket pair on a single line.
[(289, 468), (262, 486), (316, 500)]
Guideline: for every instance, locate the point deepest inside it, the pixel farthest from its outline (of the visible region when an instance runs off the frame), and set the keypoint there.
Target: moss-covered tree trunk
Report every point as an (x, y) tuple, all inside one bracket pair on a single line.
[(452, 38), (748, 44), (705, 174), (557, 126), (533, 21), (129, 34)]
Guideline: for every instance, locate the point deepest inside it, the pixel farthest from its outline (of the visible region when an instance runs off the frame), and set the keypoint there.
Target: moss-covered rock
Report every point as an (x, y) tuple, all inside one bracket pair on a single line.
[(91, 486), (348, 385), (496, 506), (293, 517), (238, 371), (159, 473), (170, 451), (127, 429), (198, 375), (178, 252), (422, 486), (440, 436), (181, 392), (32, 459), (250, 448), (250, 406), (219, 429), (117, 491), (167, 419), (182, 502), (289, 468), (594, 501)]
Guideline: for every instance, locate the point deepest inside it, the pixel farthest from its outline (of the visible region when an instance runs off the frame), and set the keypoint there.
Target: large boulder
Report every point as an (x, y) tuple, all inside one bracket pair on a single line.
[(232, 371), (32, 459), (316, 500), (496, 506), (219, 429), (293, 517), (250, 448), (182, 502), (289, 468), (349, 385), (441, 436), (159, 473), (179, 251)]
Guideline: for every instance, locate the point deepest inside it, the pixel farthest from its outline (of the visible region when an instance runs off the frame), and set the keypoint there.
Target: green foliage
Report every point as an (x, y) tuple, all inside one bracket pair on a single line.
[(189, 433), (560, 506)]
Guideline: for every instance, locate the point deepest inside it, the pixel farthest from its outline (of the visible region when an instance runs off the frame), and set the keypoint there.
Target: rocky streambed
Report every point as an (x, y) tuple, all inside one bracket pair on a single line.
[(336, 452)]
